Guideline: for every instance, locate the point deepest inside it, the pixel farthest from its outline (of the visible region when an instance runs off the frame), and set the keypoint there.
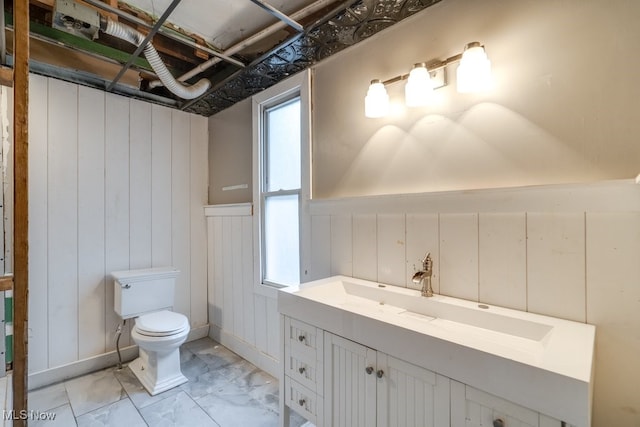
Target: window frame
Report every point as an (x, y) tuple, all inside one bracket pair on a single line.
[(298, 85)]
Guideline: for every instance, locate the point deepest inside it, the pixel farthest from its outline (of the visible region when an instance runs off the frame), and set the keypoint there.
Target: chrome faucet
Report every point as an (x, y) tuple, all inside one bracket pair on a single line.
[(423, 277)]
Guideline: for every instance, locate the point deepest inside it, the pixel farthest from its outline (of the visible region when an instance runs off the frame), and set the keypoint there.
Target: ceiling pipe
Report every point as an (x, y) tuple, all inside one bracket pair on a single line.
[(249, 41), (144, 43), (126, 33), (168, 34)]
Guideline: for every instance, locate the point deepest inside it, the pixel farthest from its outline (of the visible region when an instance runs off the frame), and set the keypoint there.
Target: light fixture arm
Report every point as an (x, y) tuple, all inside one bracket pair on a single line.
[(473, 75), (431, 66)]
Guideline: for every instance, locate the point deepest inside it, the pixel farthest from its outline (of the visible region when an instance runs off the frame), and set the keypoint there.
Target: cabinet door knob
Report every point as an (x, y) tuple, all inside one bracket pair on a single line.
[(301, 338), (301, 369), (498, 422), (369, 370), (380, 373), (301, 402)]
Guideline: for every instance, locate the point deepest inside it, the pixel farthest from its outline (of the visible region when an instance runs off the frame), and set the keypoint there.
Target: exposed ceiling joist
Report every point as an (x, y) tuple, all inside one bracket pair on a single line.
[(296, 40)]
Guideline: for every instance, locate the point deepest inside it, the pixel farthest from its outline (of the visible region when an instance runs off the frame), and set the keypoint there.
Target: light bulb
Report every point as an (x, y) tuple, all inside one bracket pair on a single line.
[(419, 87), (474, 71), (376, 103)]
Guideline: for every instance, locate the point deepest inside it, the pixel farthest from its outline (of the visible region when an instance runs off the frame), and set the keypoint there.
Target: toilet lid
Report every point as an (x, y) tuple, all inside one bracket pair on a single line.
[(161, 323)]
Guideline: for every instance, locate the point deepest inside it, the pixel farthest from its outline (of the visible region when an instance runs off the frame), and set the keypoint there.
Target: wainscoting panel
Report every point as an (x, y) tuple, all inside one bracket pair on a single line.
[(38, 253), (114, 184), (91, 223), (391, 249), (242, 319), (321, 247), (459, 255), (63, 220), (569, 251), (502, 250), (365, 247), (423, 237), (341, 245), (556, 264)]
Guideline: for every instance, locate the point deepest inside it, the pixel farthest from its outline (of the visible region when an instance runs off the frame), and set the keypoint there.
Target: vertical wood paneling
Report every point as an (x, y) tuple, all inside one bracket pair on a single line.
[(99, 204), (422, 237), (160, 186), (341, 245), (459, 255), (199, 193), (273, 329), (116, 204), (62, 222), (365, 259), (218, 272), (91, 223), (237, 302), (556, 265), (38, 225), (6, 196), (503, 260), (139, 184), (391, 250), (247, 280), (411, 396), (613, 303), (227, 273), (320, 247), (181, 248), (260, 303), (348, 406)]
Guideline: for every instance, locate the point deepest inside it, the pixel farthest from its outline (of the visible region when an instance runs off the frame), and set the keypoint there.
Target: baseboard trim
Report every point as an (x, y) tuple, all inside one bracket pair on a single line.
[(92, 364), (81, 367), (245, 350), (198, 332)]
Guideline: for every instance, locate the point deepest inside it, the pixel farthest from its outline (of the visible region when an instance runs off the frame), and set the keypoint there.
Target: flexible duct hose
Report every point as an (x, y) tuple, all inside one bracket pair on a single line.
[(126, 33)]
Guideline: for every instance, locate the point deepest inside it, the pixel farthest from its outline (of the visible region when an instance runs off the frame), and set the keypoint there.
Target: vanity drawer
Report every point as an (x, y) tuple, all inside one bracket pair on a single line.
[(306, 372), (304, 401), (303, 341)]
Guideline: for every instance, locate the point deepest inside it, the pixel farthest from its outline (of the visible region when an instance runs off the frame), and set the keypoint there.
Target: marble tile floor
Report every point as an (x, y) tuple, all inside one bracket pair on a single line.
[(224, 390)]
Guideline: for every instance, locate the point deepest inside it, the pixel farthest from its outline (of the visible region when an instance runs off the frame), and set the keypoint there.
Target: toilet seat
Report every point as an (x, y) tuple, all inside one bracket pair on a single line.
[(161, 324)]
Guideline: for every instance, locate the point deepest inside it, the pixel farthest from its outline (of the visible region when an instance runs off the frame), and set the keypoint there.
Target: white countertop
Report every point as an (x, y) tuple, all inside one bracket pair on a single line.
[(540, 362)]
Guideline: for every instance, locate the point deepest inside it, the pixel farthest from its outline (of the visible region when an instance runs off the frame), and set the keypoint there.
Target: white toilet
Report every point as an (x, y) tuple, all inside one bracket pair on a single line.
[(148, 296)]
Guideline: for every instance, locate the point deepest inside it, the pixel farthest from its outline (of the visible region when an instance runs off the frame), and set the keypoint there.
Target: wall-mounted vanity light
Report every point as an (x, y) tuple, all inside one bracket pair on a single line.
[(473, 75)]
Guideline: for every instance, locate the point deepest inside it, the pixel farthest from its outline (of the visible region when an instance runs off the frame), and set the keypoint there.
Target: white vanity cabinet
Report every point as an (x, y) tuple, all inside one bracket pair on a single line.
[(302, 369), (333, 381), (357, 353), (364, 387), (471, 407)]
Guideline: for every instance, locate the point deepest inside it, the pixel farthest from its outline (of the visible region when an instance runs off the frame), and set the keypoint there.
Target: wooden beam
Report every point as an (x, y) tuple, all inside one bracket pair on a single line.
[(6, 76), (6, 283), (21, 206)]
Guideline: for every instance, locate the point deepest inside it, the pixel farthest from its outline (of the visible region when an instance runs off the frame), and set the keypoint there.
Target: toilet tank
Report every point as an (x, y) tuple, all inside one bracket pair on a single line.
[(137, 292)]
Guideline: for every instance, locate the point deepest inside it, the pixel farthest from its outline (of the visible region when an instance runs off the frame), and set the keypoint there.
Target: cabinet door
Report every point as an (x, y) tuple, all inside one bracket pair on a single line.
[(350, 389), (410, 396), (471, 407)]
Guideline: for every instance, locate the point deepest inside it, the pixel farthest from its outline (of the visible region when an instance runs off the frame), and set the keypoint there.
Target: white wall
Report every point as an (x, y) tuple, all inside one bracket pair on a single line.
[(564, 107), (565, 251), (114, 184), (230, 156), (564, 110), (241, 318)]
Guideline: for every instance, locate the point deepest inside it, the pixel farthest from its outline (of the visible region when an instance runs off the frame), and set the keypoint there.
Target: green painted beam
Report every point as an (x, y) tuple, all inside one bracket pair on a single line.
[(80, 43)]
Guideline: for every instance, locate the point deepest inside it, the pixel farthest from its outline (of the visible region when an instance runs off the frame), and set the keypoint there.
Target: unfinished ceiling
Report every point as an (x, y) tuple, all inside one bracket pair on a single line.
[(240, 46)]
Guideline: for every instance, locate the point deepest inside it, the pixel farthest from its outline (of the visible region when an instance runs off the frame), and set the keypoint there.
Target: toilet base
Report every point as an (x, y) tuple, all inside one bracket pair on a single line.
[(149, 377)]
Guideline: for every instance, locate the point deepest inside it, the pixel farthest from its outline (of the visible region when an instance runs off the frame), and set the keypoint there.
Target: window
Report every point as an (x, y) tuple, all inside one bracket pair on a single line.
[(281, 182), (281, 193)]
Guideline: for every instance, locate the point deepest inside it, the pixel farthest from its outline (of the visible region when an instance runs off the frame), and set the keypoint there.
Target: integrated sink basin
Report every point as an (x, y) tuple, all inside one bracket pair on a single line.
[(516, 355), (440, 310)]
